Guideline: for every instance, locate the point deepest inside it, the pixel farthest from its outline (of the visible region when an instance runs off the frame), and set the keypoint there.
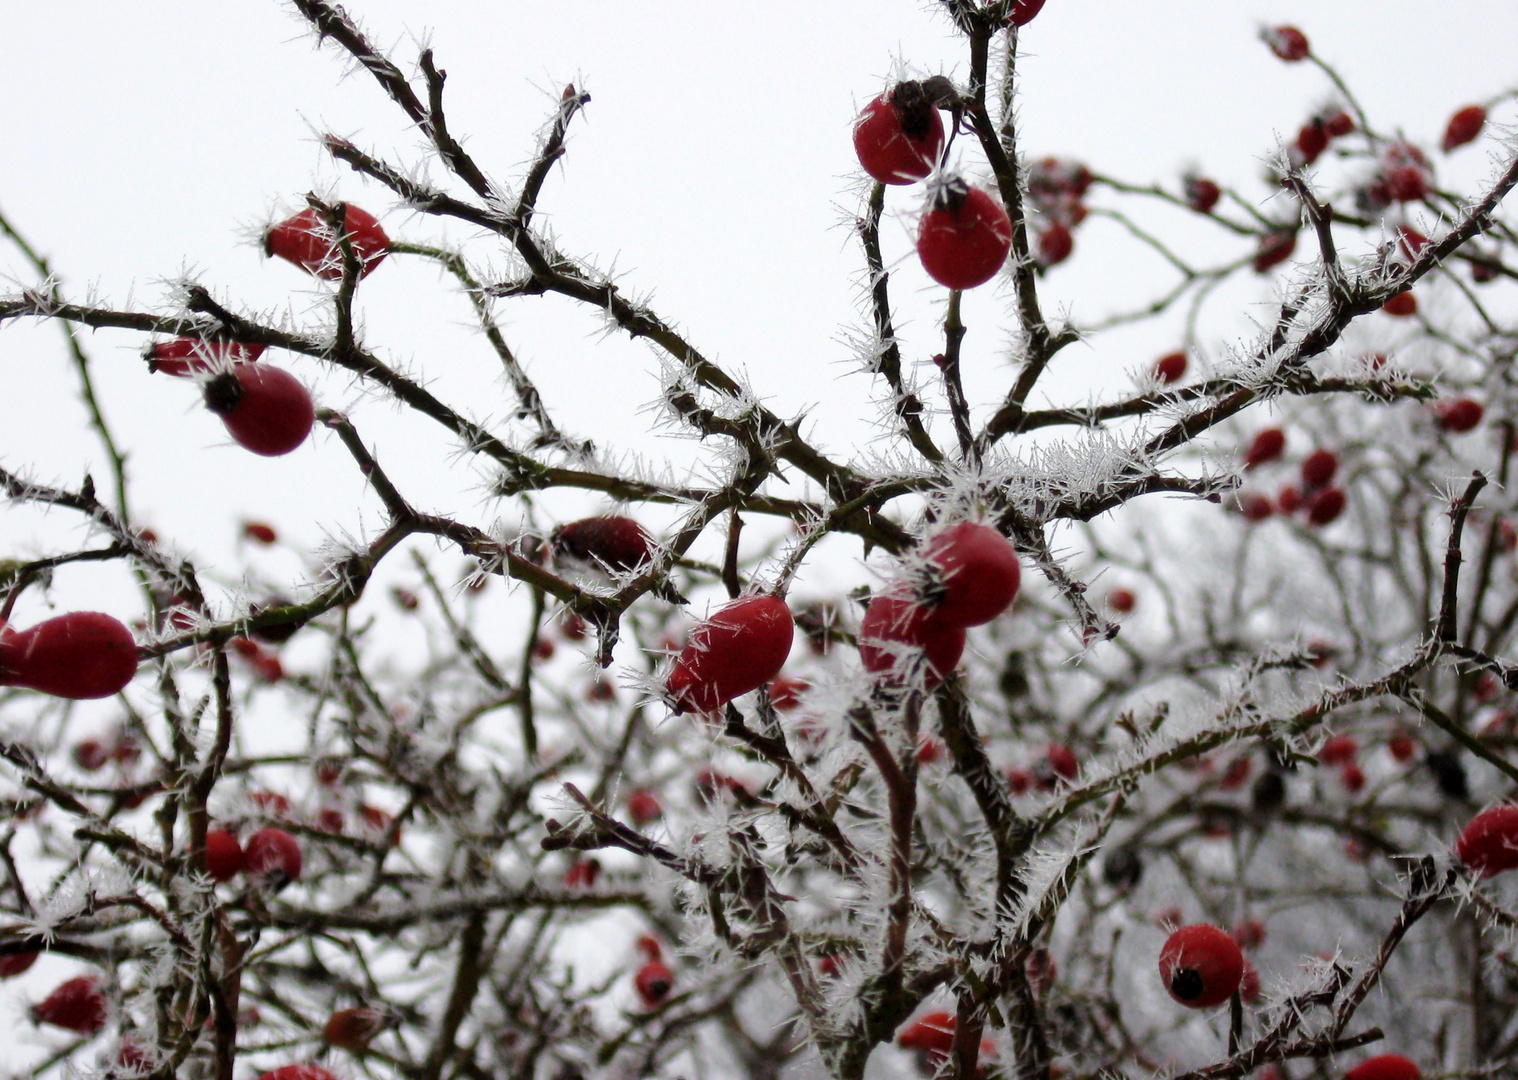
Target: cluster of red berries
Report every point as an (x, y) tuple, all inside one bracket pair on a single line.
[(1059, 765), (1403, 174), (965, 234), (1343, 753), (914, 632), (271, 857), (1056, 189), (264, 408), (120, 746), (1319, 500), (1320, 130)]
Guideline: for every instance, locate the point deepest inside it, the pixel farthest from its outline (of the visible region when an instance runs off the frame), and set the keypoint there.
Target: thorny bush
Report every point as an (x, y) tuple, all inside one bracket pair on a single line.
[(919, 866)]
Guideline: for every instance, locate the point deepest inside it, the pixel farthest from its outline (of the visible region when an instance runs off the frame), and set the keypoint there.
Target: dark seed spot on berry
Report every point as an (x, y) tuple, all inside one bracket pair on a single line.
[(223, 393), (914, 108), (1187, 984)]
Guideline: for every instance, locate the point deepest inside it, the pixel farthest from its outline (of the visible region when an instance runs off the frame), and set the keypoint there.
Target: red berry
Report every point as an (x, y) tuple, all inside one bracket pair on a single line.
[(1236, 775), (310, 243), (649, 946), (257, 530), (330, 819), (1287, 42), (906, 641), (1289, 499), (1318, 468), (572, 627), (378, 823), (1255, 507), (1267, 446), (298, 1072), (1170, 368), (1402, 305), (1325, 506), (899, 135), (643, 807), (1021, 781), (1339, 750), (1410, 242), (1403, 747), (1249, 934), (91, 755), (653, 981), (1201, 966), (77, 1005), (1405, 175), (224, 856), (1055, 245), (17, 963), (1385, 1067), (543, 649), (265, 408), (1312, 140), (1460, 415), (1489, 844), (934, 1032), (273, 856), (930, 748), (785, 693), (271, 803), (1023, 12), (196, 356), (407, 599), (972, 574), (965, 236), (1122, 600), (1352, 776), (1275, 248), (1463, 127), (738, 649), (616, 543), (582, 873), (352, 1029), (1338, 123), (81, 655), (133, 1058), (1201, 194), (1060, 763)]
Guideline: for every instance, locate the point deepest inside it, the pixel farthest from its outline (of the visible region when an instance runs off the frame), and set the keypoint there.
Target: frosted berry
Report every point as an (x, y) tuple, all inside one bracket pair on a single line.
[(91, 755), (1326, 506), (273, 856), (964, 237), (932, 1033), (1023, 12), (1319, 467), (1055, 245), (738, 649), (1059, 764), (1122, 601), (899, 135), (81, 655), (1275, 248), (1402, 305), (1255, 507), (1201, 193), (1489, 844), (310, 243), (1267, 446), (1287, 42), (224, 855), (653, 982), (196, 356), (1463, 127), (1403, 747), (906, 641), (76, 1005), (353, 1029), (1352, 777), (1170, 368), (617, 543), (1201, 966), (972, 574), (1337, 123), (785, 693), (265, 408), (1460, 415), (1385, 1067)]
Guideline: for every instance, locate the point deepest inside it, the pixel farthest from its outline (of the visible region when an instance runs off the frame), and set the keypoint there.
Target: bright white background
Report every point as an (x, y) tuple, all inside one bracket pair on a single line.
[(713, 168)]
